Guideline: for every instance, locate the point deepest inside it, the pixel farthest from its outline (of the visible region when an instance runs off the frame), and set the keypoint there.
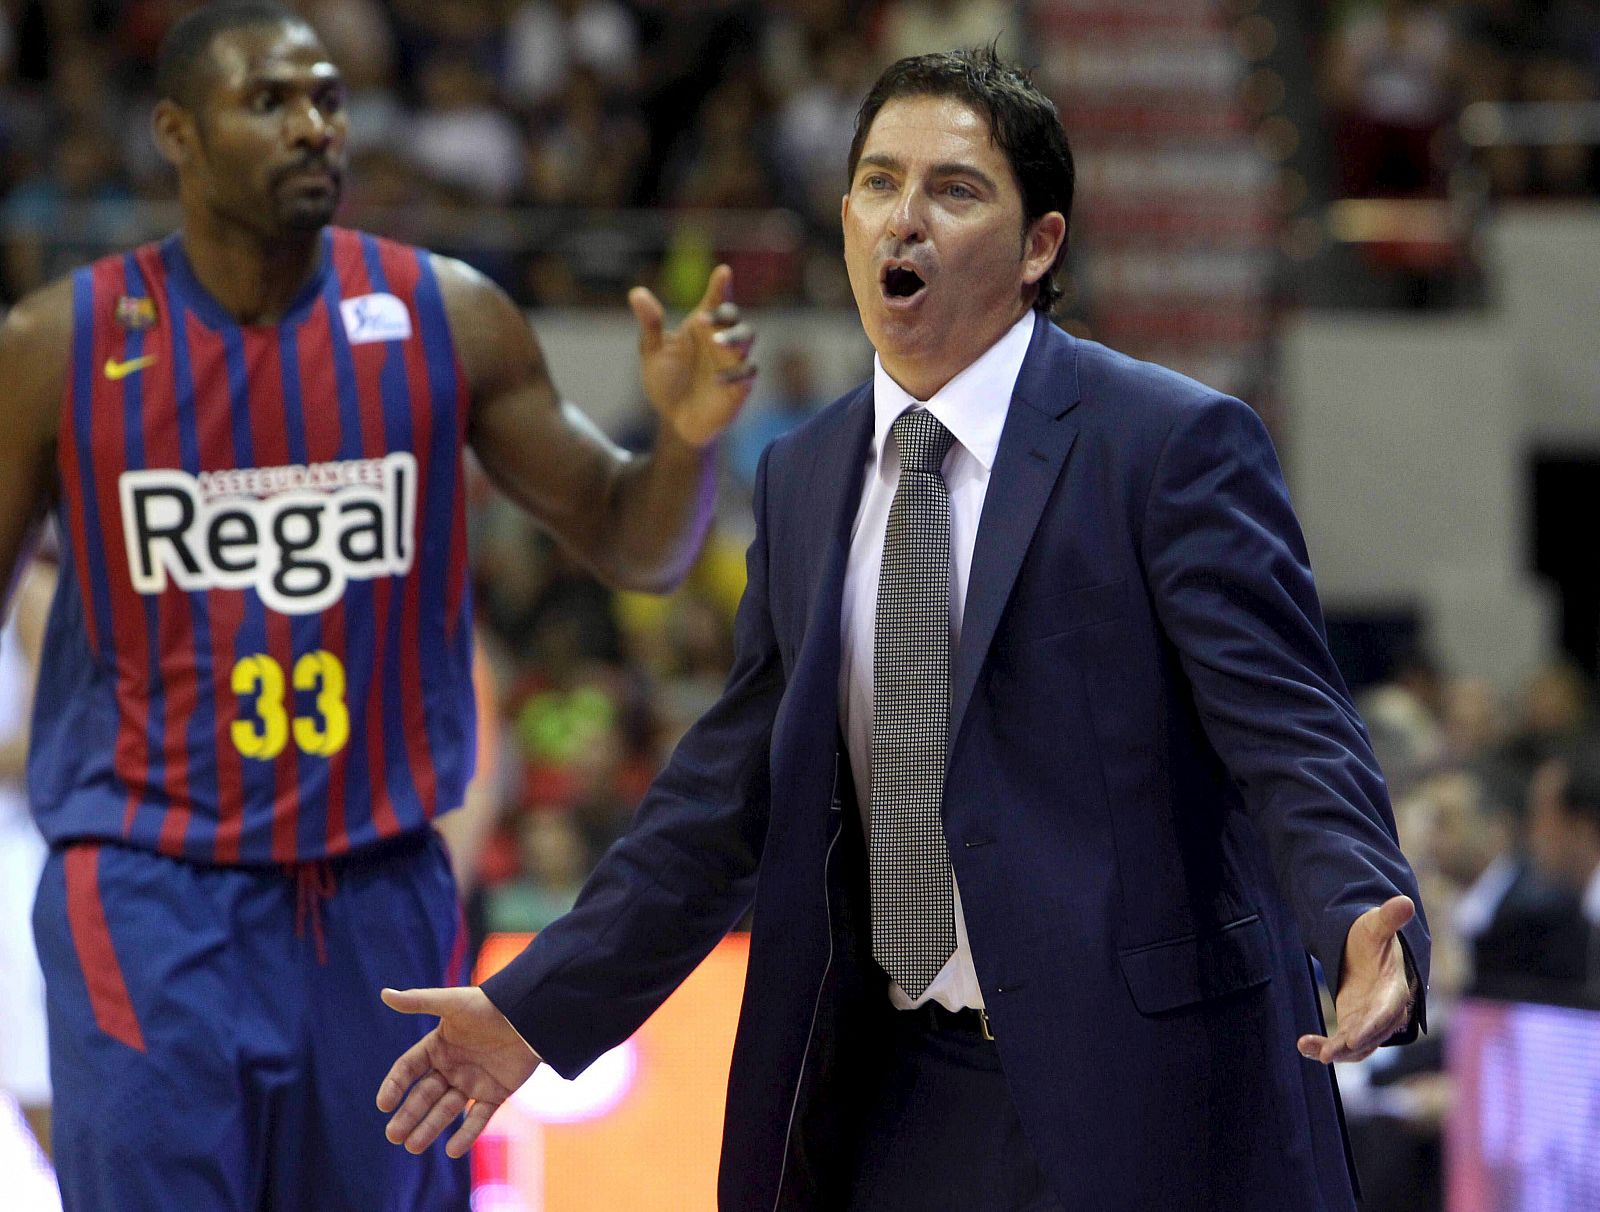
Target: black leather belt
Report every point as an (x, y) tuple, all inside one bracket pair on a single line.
[(931, 1016)]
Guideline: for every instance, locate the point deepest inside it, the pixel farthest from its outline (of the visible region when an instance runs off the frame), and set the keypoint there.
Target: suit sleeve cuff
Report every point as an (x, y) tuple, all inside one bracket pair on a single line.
[(1417, 1023)]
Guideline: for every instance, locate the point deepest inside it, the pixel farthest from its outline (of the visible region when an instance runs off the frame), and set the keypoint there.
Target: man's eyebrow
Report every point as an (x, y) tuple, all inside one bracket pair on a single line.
[(945, 168), (959, 168), (879, 160), (319, 73)]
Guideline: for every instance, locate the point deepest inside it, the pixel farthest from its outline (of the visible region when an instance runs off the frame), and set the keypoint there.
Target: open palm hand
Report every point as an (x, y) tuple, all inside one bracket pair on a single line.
[(1374, 1001), (472, 1062)]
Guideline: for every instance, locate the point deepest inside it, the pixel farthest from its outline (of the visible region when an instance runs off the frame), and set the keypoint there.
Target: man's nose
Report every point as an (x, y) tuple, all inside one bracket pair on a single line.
[(908, 220), (309, 127)]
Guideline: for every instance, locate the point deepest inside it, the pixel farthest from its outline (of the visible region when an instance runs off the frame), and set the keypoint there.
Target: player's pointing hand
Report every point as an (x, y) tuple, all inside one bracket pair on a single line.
[(698, 374), (470, 1062)]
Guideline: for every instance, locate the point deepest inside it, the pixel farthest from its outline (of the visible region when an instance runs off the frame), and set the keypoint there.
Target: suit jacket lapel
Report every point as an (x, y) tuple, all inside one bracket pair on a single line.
[(1034, 444), (831, 496)]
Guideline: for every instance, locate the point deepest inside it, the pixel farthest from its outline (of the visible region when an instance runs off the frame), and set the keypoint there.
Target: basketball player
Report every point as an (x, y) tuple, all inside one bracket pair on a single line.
[(256, 691)]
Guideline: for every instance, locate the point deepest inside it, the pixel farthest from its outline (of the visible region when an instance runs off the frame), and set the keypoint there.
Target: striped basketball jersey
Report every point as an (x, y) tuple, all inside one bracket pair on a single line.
[(260, 650)]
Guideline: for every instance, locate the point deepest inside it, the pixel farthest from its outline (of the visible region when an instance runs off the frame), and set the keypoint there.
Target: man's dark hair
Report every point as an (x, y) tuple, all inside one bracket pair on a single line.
[(182, 61), (1023, 122)]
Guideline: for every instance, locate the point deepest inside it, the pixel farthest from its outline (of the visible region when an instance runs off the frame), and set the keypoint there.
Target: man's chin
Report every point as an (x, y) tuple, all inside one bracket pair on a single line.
[(308, 220), (308, 214), (908, 332)]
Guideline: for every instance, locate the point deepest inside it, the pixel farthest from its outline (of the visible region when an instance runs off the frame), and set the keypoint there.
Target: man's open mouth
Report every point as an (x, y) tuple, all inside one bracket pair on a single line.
[(901, 283)]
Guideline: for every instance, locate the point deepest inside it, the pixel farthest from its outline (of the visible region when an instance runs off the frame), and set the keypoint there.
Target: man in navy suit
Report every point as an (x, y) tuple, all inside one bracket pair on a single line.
[(1150, 793)]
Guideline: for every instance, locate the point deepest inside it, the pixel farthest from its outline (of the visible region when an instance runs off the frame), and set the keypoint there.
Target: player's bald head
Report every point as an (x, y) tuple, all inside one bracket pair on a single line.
[(185, 64)]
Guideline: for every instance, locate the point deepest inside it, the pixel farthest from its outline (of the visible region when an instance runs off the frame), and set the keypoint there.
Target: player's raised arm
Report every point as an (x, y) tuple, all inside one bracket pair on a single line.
[(636, 522), (35, 348)]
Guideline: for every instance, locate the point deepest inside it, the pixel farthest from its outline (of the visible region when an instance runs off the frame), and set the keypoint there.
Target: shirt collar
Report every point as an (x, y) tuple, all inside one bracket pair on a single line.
[(972, 406)]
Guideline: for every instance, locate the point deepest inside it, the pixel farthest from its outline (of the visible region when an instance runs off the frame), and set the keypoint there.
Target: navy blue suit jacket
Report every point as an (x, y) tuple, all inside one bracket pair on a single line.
[(1159, 798)]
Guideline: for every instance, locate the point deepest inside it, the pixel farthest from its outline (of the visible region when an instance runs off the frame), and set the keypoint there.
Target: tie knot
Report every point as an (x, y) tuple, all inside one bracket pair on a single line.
[(923, 442)]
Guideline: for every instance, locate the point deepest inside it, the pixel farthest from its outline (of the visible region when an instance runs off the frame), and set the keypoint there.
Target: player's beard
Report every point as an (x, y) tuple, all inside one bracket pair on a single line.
[(301, 210), (306, 216)]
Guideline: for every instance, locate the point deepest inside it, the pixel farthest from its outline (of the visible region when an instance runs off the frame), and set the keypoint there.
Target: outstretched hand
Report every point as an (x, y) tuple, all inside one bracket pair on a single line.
[(697, 375), (472, 1061), (1374, 1001)]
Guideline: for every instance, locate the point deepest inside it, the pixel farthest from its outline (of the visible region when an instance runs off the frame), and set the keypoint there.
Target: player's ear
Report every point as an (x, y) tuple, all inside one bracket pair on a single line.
[(174, 131)]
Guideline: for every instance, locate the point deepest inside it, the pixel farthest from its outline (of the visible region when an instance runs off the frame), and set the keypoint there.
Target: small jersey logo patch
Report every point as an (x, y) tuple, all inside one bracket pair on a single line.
[(375, 317), (136, 312)]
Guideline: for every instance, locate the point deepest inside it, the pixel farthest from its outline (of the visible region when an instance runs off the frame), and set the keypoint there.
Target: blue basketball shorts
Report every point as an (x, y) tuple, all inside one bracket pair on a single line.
[(216, 1035)]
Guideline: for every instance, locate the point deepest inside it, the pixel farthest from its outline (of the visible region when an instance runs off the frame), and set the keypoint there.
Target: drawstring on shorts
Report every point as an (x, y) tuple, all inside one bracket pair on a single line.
[(313, 884)]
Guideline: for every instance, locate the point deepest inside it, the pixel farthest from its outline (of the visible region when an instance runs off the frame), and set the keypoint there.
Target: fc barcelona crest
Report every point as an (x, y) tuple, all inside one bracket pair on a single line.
[(136, 313)]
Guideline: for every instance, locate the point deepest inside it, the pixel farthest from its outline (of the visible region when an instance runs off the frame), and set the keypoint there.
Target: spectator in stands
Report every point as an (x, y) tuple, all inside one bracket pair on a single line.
[(1402, 714), (1554, 715), (81, 203), (726, 160), (1454, 834), (460, 139), (581, 152), (1473, 718), (1564, 830), (1389, 77), (548, 41), (815, 121), (554, 862), (471, 29), (1499, 923), (81, 94), (700, 638), (689, 48), (795, 34), (791, 397)]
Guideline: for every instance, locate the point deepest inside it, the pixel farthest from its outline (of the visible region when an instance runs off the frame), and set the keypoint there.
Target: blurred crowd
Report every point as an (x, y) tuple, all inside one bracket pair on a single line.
[(1396, 73), (570, 106), (1497, 801)]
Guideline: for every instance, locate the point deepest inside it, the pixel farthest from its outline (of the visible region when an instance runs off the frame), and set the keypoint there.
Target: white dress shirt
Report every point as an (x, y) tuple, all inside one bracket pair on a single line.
[(972, 406)]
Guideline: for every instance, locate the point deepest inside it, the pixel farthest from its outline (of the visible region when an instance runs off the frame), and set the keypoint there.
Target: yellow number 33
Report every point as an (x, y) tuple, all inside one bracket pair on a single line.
[(264, 737)]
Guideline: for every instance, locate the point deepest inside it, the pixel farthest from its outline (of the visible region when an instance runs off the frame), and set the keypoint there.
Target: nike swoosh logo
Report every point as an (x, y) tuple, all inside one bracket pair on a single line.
[(121, 370)]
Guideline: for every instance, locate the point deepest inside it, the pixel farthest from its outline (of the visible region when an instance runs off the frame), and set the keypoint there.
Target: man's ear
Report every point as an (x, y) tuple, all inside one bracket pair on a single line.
[(174, 131), (1042, 245)]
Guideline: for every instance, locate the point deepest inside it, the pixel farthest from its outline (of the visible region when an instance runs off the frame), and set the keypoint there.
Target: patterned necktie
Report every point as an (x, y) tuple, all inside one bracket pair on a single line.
[(913, 913)]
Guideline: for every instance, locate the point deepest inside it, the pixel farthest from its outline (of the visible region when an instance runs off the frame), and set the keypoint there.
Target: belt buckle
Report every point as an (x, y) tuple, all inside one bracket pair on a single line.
[(983, 1021)]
